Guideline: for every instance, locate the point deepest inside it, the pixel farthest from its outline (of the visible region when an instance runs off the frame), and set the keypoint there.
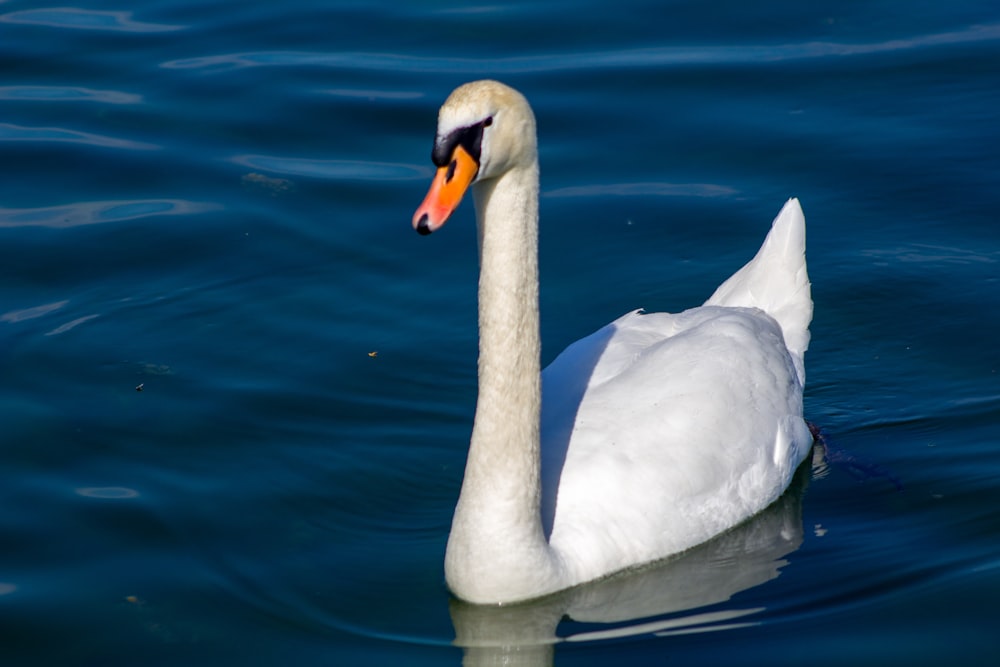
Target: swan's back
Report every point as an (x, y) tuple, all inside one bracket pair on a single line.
[(662, 430)]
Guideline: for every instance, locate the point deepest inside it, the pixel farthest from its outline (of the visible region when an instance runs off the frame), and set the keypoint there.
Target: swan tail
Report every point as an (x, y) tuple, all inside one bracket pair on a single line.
[(776, 281)]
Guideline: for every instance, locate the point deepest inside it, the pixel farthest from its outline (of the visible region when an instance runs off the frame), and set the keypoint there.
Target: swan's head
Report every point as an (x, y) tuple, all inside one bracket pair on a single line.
[(485, 129)]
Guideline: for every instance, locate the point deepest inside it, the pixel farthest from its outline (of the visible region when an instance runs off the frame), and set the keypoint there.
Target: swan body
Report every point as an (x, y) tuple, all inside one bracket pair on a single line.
[(656, 432)]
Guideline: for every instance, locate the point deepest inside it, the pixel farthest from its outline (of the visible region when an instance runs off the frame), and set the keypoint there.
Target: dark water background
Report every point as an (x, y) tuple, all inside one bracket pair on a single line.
[(211, 201)]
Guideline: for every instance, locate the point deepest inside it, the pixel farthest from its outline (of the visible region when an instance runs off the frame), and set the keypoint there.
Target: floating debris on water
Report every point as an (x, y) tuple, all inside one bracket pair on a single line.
[(268, 184)]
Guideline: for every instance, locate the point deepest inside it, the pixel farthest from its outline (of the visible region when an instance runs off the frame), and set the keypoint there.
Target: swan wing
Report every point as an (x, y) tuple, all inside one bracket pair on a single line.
[(662, 430)]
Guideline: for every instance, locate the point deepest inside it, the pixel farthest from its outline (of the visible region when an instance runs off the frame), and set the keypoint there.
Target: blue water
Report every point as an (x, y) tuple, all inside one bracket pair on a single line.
[(237, 388)]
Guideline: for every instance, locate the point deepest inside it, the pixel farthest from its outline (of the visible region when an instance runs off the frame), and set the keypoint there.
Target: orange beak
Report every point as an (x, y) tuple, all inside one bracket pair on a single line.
[(449, 184)]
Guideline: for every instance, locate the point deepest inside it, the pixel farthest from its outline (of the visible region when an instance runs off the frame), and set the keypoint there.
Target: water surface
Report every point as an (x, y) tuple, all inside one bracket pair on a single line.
[(237, 388)]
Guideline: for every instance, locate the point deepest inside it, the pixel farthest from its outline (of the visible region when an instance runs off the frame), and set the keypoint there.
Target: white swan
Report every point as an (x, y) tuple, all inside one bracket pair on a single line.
[(656, 433)]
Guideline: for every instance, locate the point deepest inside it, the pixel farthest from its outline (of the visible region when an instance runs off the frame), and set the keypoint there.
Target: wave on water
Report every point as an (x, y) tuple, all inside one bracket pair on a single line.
[(84, 19), (667, 56), (98, 212)]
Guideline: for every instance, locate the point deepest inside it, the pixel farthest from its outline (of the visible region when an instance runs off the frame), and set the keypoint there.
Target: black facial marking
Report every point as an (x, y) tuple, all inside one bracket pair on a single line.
[(451, 171), (470, 138)]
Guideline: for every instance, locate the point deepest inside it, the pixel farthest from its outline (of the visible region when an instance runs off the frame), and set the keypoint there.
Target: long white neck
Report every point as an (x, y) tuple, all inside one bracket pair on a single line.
[(497, 549)]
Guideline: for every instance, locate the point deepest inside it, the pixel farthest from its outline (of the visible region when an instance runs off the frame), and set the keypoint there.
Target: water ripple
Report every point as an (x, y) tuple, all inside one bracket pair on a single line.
[(644, 190), (63, 328), (690, 624), (333, 169), (92, 213), (925, 253), (33, 312), (11, 132), (372, 95), (617, 59), (108, 492), (67, 94), (84, 19)]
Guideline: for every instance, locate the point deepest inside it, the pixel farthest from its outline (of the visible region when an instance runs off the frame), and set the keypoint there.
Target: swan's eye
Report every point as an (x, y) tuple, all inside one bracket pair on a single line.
[(470, 138)]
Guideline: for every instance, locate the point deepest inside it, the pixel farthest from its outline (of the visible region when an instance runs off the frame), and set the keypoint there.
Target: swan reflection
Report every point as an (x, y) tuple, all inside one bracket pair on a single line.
[(635, 602)]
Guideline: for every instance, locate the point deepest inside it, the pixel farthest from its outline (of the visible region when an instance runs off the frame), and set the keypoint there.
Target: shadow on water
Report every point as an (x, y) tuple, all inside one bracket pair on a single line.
[(646, 601)]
